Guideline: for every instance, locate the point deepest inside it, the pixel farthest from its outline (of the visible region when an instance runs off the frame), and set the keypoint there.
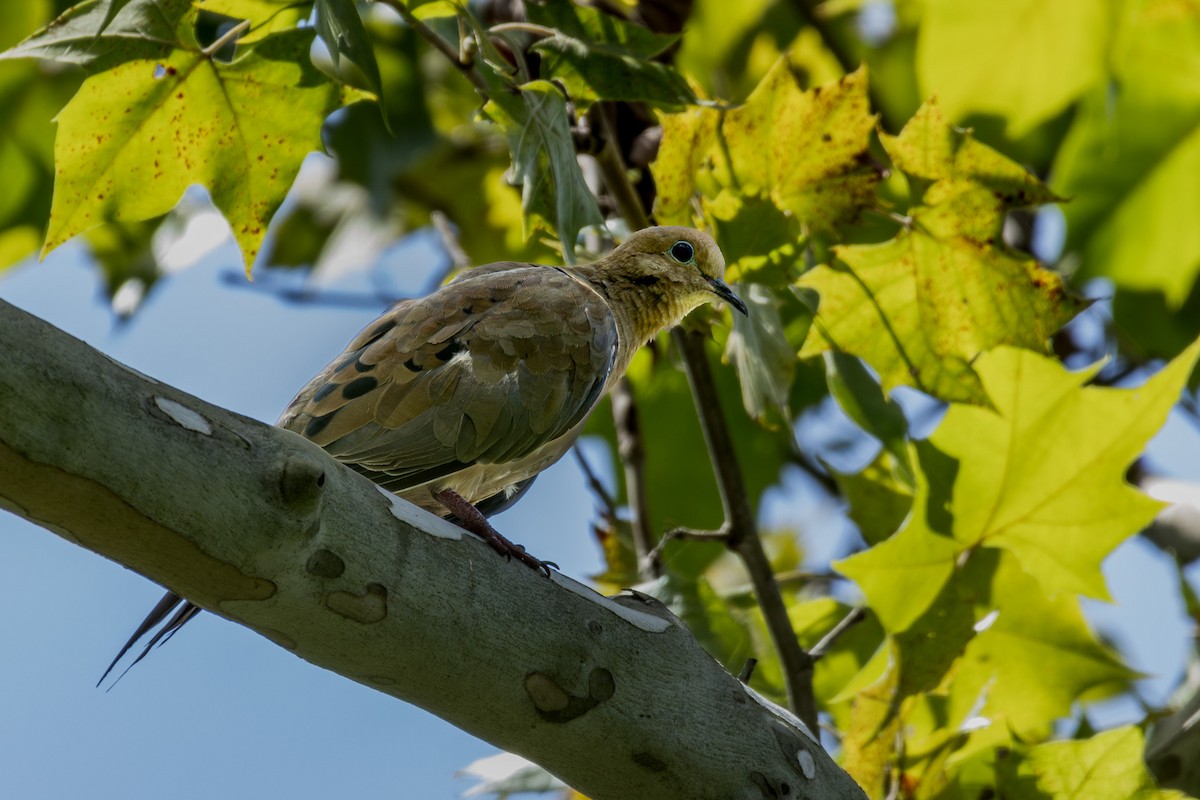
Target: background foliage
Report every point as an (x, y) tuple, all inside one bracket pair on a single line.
[(914, 197)]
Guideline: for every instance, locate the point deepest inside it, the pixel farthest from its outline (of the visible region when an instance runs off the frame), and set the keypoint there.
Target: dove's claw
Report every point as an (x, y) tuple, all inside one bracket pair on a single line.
[(470, 518)]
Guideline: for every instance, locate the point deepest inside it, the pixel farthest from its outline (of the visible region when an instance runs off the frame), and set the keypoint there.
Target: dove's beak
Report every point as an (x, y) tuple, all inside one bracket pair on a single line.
[(721, 289)]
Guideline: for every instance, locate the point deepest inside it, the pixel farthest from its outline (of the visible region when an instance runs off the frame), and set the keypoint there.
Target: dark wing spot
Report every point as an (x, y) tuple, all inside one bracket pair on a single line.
[(383, 328), (318, 424), (358, 387), (412, 366), (448, 352), (324, 391), (361, 367), (645, 280)]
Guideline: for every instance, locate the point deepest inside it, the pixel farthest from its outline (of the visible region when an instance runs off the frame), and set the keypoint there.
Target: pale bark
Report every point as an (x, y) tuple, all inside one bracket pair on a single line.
[(262, 527)]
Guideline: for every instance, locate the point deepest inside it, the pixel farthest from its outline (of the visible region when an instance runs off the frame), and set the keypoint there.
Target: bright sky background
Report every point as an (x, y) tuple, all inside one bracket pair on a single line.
[(220, 711)]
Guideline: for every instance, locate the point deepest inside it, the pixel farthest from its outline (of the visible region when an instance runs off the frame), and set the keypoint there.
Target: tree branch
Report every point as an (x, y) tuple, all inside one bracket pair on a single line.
[(264, 528)]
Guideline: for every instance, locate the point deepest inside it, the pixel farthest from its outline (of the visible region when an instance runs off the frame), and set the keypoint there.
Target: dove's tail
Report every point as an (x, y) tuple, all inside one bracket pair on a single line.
[(184, 611)]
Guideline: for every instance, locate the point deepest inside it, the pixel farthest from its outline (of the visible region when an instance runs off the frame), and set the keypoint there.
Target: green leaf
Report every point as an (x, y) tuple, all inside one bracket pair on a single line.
[(761, 242), (805, 151), (879, 501), (342, 30), (688, 138), (136, 136), (1050, 52), (921, 307), (265, 16), (759, 350), (864, 402), (553, 193), (598, 56), (592, 72), (902, 575), (1043, 475), (1133, 197), (597, 27), (1108, 766), (87, 35), (1034, 662)]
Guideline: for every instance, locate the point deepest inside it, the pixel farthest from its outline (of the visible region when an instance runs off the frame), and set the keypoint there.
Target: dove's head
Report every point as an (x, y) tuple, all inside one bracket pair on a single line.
[(676, 269)]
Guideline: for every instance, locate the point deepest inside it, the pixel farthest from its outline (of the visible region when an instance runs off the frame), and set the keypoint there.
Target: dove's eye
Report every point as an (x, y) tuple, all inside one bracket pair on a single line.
[(682, 252)]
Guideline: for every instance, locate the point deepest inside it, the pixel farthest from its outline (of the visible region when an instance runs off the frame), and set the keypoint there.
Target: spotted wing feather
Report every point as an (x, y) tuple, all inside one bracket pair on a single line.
[(487, 369)]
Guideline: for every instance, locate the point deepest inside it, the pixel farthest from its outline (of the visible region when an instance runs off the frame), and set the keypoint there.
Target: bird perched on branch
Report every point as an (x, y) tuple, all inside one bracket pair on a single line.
[(457, 400)]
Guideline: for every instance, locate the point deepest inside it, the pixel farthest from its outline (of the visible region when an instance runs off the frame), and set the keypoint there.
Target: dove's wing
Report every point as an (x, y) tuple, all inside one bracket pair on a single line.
[(486, 370)]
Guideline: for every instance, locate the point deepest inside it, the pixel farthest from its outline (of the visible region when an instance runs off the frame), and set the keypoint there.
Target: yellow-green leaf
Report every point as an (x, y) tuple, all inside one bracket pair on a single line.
[(806, 151), (1107, 766), (1035, 659), (1022, 60), (1131, 158), (136, 136), (1043, 475), (921, 307)]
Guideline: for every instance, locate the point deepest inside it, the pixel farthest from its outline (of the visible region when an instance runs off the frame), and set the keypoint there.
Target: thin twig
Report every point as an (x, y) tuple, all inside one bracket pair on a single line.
[(690, 534), (429, 35), (606, 499), (633, 461), (819, 649), (743, 530), (747, 670), (459, 260), (226, 38)]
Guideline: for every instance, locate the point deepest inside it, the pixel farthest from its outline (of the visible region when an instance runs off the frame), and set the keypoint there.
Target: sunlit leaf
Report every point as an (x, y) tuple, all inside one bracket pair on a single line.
[(1044, 474), (806, 151), (761, 242), (1108, 766), (1041, 476), (1035, 660), (1130, 157), (1023, 60), (136, 136), (921, 307)]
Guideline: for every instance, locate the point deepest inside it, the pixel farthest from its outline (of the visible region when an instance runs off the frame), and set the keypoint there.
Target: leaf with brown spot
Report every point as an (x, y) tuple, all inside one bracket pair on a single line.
[(136, 136), (804, 150), (922, 306)]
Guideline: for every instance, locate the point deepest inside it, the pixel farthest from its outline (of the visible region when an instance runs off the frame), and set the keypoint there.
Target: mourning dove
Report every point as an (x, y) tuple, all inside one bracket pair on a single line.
[(457, 400)]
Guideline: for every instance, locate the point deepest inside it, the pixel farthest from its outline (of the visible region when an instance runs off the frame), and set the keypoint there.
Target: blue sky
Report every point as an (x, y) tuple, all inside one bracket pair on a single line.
[(221, 712)]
